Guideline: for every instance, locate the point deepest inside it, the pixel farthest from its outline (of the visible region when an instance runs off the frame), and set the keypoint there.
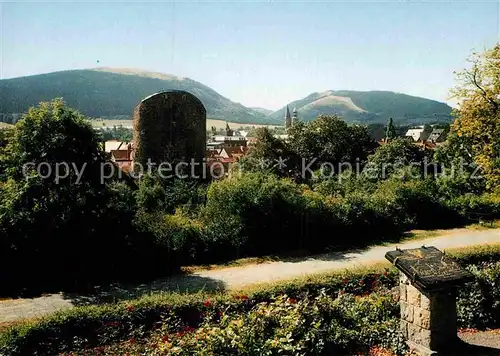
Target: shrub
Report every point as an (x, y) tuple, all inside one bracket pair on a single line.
[(468, 205), (99, 325), (478, 303)]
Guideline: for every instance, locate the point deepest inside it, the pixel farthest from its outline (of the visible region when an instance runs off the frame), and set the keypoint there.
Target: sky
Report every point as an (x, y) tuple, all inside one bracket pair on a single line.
[(258, 53)]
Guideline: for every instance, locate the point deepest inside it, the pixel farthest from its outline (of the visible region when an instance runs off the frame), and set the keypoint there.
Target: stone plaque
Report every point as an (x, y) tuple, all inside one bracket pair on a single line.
[(428, 268)]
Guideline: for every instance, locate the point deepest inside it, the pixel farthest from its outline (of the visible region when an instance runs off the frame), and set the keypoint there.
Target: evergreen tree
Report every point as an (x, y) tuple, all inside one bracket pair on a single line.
[(390, 132)]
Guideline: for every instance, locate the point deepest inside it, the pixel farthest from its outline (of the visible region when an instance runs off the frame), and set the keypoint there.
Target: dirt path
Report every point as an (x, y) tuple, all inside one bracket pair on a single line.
[(237, 277)]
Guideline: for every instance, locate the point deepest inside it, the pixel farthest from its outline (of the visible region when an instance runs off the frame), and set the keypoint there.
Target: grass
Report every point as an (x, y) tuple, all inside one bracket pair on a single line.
[(219, 124)]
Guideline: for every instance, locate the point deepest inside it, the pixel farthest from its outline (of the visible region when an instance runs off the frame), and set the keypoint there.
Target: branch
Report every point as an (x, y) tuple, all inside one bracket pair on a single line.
[(473, 77)]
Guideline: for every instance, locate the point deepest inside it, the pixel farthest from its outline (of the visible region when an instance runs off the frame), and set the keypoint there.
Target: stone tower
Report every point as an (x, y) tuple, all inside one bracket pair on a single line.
[(169, 126), (288, 118)]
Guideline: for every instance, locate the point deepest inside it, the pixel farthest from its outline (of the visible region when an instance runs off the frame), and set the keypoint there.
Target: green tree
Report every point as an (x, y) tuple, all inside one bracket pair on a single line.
[(329, 139), (390, 132), (397, 154), (53, 218), (477, 123)]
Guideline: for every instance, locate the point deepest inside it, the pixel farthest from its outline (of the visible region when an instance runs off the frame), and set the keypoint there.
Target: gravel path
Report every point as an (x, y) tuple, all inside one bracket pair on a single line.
[(237, 277)]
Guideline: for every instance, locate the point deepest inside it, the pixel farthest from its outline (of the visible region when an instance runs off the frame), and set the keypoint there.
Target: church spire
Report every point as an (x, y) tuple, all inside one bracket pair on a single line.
[(294, 116), (288, 119)]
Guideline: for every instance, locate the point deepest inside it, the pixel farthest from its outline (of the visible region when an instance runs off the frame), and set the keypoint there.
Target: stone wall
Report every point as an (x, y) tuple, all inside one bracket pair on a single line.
[(428, 320), (169, 127)]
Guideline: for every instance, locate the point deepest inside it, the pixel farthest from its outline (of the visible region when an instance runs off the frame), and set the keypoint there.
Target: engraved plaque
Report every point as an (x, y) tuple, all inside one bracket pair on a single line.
[(428, 268)]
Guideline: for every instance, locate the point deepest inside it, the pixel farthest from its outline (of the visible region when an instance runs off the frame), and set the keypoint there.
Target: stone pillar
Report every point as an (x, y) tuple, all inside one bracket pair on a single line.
[(428, 319)]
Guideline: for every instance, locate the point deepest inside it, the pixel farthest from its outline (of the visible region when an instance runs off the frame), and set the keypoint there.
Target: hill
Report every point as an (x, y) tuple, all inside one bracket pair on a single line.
[(369, 107), (263, 111), (113, 93)]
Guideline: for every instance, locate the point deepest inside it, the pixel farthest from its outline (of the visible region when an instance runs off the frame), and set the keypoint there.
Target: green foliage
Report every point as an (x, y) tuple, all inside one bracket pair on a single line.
[(397, 154), (479, 302), (390, 132), (323, 306), (477, 125), (38, 214), (119, 133), (104, 94), (324, 143)]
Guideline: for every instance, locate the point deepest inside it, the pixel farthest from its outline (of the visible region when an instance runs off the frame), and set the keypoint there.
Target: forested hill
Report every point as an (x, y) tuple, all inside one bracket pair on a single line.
[(113, 93), (369, 107)]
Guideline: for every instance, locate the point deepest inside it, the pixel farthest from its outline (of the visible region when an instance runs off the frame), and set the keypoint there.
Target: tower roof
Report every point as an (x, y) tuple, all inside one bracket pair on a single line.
[(287, 114)]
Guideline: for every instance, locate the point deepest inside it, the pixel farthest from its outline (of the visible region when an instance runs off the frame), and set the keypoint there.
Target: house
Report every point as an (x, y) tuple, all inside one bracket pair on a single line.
[(229, 141), (123, 155), (233, 153), (111, 145), (436, 136), (416, 133)]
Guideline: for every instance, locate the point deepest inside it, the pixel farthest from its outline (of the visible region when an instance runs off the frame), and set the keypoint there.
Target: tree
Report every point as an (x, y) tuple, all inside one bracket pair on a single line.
[(477, 123), (397, 154), (329, 139), (54, 210), (390, 133)]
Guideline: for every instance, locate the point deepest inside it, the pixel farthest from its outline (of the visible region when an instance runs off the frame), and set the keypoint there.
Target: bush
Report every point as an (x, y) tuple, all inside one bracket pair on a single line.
[(312, 326), (100, 325), (479, 302), (468, 205)]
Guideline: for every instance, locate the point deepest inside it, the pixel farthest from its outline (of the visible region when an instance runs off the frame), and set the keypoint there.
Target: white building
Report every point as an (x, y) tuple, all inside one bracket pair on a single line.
[(417, 134)]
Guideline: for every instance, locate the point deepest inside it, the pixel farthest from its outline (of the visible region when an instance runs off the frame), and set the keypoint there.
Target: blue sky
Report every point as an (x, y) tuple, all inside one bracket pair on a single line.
[(257, 53)]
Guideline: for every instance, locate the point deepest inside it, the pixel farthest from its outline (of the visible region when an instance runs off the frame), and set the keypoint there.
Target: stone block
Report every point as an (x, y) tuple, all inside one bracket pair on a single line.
[(404, 328), (413, 296), (402, 293), (406, 312), (422, 318), (419, 335), (425, 302)]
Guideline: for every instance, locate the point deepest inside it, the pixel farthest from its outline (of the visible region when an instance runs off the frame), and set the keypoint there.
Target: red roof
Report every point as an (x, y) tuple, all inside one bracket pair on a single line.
[(121, 155)]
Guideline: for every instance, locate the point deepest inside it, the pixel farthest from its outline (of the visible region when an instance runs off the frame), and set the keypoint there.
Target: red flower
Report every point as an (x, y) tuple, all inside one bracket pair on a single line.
[(187, 329), (132, 341), (219, 313), (164, 339), (362, 282), (385, 273), (207, 303), (242, 297), (346, 281), (377, 275), (130, 308), (292, 300)]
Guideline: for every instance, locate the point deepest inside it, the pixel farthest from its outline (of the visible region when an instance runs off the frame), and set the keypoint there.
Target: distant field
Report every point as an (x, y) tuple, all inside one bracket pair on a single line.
[(4, 125), (219, 124)]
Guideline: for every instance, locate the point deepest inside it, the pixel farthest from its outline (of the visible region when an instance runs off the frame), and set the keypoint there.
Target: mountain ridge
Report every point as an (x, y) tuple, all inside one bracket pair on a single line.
[(374, 106), (113, 93)]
